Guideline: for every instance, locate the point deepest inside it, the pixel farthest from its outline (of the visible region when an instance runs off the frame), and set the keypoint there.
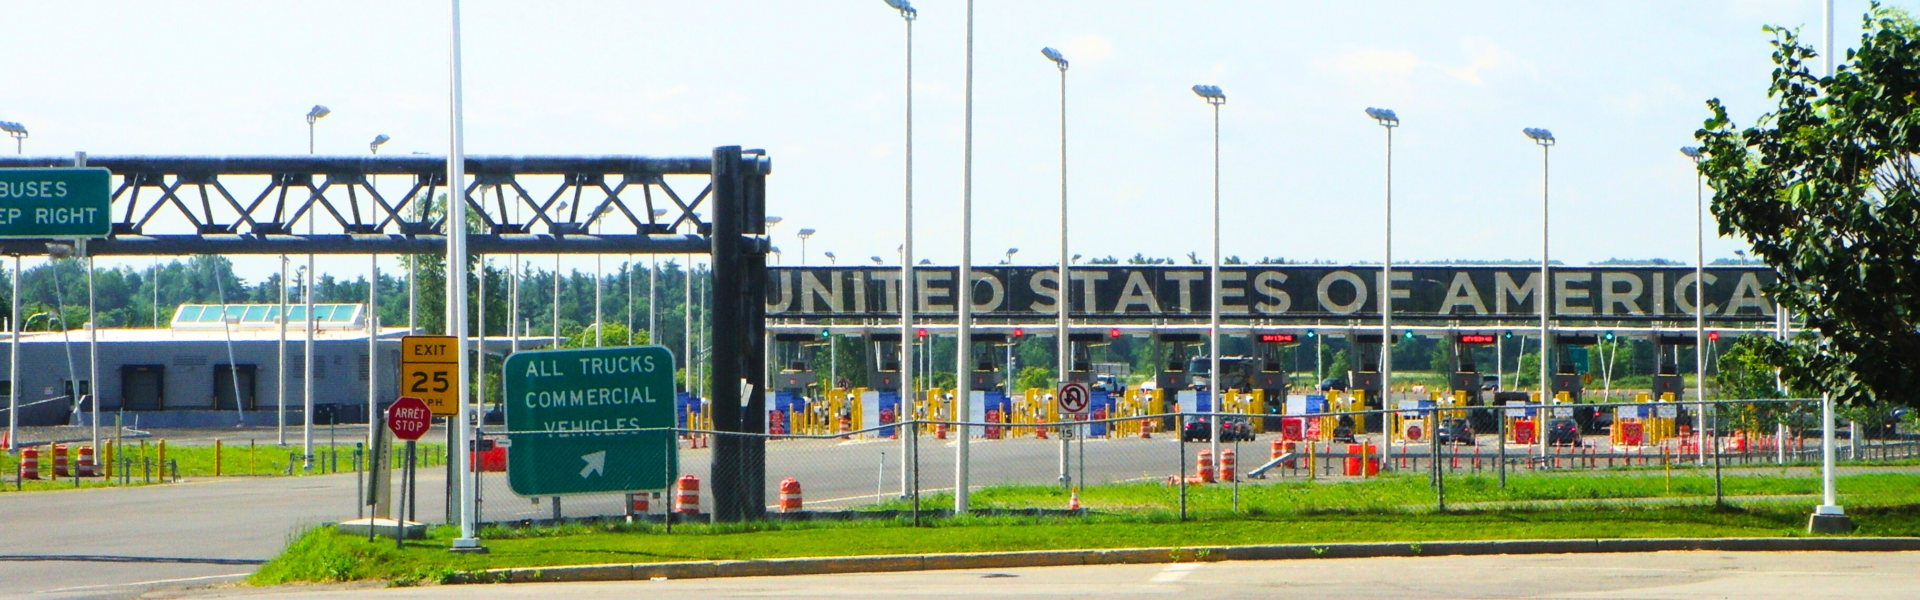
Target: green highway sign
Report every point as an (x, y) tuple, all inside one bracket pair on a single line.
[(55, 203), (573, 416)]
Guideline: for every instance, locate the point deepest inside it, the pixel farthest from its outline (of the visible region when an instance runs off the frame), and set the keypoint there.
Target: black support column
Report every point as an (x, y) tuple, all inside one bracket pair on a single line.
[(754, 464), (739, 333), (728, 316)]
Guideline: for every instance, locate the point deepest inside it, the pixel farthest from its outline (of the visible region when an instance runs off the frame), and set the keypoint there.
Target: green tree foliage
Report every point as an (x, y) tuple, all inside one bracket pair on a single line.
[(1339, 366), (1527, 375), (1826, 190), (1034, 377)]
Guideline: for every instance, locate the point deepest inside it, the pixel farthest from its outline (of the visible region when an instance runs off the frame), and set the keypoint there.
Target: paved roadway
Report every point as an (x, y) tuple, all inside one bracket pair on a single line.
[(1679, 575), (113, 542)]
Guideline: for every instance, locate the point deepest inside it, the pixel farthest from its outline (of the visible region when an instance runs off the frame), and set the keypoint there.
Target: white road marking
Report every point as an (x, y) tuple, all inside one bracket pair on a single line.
[(1174, 573), (144, 583)]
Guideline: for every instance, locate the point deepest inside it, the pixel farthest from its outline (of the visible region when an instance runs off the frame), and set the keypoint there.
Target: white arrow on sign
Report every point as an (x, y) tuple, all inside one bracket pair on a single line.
[(596, 463)]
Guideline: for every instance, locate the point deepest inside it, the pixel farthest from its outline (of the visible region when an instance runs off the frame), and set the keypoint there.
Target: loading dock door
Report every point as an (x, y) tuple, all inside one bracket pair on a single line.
[(141, 387), (223, 386)]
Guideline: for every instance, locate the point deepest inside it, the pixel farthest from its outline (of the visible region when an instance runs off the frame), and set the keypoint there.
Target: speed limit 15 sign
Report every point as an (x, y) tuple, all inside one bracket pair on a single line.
[(428, 365)]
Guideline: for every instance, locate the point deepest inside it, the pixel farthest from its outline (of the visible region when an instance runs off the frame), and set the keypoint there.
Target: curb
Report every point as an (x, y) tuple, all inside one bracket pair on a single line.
[(1060, 558)]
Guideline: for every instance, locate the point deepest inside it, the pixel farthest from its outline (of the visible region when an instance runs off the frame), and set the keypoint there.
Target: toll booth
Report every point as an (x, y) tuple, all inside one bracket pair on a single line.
[(1570, 365), (1666, 372), (1466, 377), (1366, 375), (989, 362), (1172, 378), (1080, 350), (883, 361), (1269, 373), (1666, 358), (793, 353)]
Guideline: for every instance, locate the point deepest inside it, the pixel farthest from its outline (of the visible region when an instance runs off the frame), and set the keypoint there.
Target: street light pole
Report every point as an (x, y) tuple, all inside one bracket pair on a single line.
[(314, 116), (1062, 280), (1828, 516), (803, 235), (963, 395), (19, 133), (1545, 139), (907, 389), (1215, 98), (1388, 121), (456, 311), (1700, 313)]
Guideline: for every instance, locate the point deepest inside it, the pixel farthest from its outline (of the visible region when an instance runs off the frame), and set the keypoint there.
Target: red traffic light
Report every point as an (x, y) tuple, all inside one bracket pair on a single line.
[(1113, 333), (1019, 331), (1713, 336), (923, 333)]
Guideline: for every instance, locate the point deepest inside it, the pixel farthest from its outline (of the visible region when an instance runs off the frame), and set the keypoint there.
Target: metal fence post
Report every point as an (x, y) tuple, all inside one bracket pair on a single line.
[(1183, 466), (915, 451), (1500, 417)]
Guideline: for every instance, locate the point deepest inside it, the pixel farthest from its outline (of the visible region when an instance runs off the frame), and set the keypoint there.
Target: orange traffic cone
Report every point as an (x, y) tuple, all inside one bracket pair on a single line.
[(1073, 501)]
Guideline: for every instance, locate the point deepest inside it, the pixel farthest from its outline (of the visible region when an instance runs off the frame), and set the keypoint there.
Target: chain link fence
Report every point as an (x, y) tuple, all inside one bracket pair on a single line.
[(1172, 463)]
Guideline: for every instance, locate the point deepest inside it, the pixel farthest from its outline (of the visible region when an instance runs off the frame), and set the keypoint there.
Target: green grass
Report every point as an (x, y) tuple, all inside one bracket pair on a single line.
[(262, 460), (1411, 492), (1131, 516)]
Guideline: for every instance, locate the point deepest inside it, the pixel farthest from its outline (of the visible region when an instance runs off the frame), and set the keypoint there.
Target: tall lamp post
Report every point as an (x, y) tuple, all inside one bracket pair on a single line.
[(963, 394), (1214, 98), (19, 133), (314, 116), (1009, 259), (1700, 310), (1062, 320), (1828, 517), (1545, 139), (803, 235), (907, 388), (1388, 121)]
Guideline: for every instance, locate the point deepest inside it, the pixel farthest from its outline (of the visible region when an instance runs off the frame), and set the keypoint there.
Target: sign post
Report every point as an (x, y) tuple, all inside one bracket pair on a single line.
[(588, 421), (408, 418), (1073, 398), (48, 203)]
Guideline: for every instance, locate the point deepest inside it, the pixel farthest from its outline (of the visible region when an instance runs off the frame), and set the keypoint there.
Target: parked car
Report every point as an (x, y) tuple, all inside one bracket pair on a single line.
[(1563, 432), (1490, 383), (1231, 430), (1197, 430), (1456, 431), (1333, 383)]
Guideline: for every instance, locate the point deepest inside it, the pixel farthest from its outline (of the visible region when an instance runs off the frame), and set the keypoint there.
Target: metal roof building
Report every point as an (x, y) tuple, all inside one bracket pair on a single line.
[(214, 365)]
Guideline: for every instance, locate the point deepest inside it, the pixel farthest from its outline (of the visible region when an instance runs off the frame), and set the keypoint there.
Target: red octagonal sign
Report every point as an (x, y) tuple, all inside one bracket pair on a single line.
[(409, 418)]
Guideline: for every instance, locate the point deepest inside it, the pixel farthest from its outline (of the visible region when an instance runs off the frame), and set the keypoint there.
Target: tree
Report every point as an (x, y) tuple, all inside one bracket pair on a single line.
[(1826, 190), (1339, 366), (1034, 377)]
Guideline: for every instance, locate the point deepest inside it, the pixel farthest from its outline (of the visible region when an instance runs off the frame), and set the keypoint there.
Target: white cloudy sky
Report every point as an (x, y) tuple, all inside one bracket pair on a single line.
[(819, 84)]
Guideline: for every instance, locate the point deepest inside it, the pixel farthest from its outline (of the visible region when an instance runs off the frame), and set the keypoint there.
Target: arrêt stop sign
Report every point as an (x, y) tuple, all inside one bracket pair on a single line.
[(409, 418)]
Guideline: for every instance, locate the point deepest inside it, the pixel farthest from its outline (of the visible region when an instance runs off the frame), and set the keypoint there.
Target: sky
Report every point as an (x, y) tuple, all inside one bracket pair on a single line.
[(821, 86)]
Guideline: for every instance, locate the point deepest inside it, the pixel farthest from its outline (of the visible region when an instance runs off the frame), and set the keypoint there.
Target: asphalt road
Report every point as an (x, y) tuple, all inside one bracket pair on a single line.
[(1678, 575), (118, 542), (113, 542)]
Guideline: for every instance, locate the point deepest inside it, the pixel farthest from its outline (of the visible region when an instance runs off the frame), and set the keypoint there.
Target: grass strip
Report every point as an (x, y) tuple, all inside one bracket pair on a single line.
[(239, 460), (1881, 505)]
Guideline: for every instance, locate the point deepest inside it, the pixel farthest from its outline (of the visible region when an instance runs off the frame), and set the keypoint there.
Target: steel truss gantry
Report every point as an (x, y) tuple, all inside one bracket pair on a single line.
[(183, 205)]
